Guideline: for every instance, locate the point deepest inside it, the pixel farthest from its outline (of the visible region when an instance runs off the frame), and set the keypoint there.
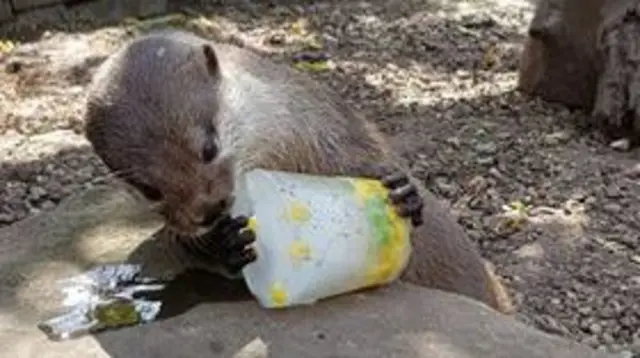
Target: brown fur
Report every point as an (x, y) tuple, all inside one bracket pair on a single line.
[(268, 116)]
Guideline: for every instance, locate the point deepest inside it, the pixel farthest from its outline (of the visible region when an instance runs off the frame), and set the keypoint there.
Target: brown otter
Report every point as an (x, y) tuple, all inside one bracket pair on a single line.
[(179, 117)]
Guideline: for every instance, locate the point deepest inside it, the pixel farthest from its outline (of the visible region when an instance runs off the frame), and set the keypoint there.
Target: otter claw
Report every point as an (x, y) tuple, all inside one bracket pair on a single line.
[(235, 239), (238, 260), (404, 195), (227, 244), (395, 179)]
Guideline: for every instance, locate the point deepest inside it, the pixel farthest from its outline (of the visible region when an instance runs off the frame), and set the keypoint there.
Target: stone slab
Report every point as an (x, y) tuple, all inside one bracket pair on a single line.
[(206, 317)]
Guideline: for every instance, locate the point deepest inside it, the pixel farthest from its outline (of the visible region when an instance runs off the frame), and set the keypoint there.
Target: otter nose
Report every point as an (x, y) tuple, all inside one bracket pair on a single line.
[(211, 212)]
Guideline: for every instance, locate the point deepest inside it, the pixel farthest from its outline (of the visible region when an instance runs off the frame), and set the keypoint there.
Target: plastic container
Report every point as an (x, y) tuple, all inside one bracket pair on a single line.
[(318, 237)]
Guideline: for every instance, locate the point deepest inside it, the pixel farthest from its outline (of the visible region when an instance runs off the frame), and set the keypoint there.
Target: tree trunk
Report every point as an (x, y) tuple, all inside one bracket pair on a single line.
[(617, 101), (585, 54)]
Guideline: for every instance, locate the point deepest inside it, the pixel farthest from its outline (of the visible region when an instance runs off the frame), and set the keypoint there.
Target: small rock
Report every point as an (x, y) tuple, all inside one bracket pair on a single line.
[(277, 39), (444, 187), (607, 339), (503, 136), (633, 172), (630, 241), (622, 145), (486, 160), (13, 67), (477, 184), (7, 218), (495, 172), (48, 205), (329, 40), (36, 193), (487, 148), (613, 192), (254, 349), (550, 325), (578, 196), (585, 310), (430, 45), (454, 142), (478, 22), (591, 341), (595, 328), (612, 207), (626, 354), (56, 191), (556, 138), (533, 250)]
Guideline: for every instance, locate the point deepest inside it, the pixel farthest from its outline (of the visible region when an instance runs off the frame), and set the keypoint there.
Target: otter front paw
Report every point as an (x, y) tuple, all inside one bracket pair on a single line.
[(227, 244), (235, 239), (404, 195)]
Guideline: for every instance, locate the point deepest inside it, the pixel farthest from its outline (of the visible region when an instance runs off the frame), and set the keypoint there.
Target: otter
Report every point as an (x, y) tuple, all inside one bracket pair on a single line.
[(179, 117)]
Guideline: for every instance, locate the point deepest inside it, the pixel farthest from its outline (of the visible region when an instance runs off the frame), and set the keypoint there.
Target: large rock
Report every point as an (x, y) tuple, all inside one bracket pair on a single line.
[(205, 317)]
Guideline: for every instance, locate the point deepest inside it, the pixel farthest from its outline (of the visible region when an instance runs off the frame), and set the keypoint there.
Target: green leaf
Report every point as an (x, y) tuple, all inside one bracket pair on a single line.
[(315, 66), (117, 313)]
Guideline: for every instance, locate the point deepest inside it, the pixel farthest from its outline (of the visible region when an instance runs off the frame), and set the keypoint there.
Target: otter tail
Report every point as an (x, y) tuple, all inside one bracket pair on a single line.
[(500, 299)]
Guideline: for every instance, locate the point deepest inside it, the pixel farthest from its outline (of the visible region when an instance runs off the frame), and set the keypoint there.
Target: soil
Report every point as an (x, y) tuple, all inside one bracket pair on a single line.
[(555, 208)]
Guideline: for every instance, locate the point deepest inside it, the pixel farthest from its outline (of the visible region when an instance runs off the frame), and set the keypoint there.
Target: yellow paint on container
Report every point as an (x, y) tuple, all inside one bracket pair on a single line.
[(368, 188), (299, 250), (252, 224), (279, 295), (390, 257), (297, 212)]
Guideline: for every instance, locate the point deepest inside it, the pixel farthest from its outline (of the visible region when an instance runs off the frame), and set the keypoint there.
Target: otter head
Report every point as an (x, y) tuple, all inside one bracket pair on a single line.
[(151, 115)]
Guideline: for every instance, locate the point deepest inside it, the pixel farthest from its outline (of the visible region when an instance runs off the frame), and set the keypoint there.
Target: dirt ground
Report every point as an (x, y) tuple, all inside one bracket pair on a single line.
[(556, 209)]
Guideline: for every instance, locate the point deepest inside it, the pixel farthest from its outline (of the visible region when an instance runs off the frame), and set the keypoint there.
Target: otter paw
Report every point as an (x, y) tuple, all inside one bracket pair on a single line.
[(236, 238), (227, 244), (404, 195)]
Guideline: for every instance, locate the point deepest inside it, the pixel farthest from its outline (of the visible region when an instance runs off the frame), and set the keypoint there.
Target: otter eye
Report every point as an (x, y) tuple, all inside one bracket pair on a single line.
[(209, 151)]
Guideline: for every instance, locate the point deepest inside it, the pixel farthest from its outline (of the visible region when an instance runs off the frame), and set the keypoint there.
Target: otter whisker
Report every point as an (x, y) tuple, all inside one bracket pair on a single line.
[(118, 174)]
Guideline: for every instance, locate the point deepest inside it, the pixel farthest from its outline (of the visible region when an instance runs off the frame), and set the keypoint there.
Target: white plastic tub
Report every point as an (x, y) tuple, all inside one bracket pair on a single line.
[(318, 237)]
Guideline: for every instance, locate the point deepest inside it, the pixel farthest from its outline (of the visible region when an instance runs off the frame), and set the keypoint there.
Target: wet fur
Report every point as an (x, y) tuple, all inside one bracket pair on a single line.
[(270, 117)]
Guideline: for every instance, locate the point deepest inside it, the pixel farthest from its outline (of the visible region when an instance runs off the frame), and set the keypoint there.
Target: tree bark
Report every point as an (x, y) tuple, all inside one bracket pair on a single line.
[(585, 54), (559, 62), (617, 100)]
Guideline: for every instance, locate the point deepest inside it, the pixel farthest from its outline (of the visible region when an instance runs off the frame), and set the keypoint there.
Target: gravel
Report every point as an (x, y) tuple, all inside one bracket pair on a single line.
[(555, 208)]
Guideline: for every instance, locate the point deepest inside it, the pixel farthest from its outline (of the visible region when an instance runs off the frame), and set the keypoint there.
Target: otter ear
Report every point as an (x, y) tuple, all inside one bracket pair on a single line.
[(211, 59)]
